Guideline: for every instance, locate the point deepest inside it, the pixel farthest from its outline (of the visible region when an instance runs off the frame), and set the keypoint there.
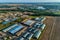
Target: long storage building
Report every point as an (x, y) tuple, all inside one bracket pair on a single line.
[(15, 29), (8, 28)]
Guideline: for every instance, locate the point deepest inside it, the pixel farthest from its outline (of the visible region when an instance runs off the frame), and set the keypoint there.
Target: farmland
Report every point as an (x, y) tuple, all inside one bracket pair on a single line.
[(51, 31)]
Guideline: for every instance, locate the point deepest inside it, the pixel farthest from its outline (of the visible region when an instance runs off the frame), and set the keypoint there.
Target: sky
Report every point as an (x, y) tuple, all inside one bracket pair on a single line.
[(2, 1)]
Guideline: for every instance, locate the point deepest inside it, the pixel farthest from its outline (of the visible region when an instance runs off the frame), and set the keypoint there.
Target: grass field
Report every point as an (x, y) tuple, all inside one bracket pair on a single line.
[(57, 12)]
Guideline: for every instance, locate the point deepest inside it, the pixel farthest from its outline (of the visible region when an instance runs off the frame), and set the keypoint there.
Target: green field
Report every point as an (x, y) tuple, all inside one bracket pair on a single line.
[(57, 12)]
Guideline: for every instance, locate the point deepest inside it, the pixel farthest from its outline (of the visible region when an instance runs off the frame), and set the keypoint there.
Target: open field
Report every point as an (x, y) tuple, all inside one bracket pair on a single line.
[(55, 33), (52, 29), (57, 12)]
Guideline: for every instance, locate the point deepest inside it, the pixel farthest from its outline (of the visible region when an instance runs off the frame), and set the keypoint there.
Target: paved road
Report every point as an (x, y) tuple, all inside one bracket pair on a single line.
[(55, 32)]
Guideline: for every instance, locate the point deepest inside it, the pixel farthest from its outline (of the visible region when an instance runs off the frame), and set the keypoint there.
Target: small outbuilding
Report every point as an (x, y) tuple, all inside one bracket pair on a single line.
[(28, 22)]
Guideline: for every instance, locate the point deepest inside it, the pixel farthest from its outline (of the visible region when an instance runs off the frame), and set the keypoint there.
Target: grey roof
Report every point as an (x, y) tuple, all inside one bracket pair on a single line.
[(25, 34), (29, 36), (37, 34), (42, 26), (20, 38)]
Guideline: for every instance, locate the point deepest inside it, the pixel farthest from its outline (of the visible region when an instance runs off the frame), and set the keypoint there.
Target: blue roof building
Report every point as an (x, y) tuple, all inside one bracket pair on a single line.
[(8, 28), (7, 21), (15, 29)]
